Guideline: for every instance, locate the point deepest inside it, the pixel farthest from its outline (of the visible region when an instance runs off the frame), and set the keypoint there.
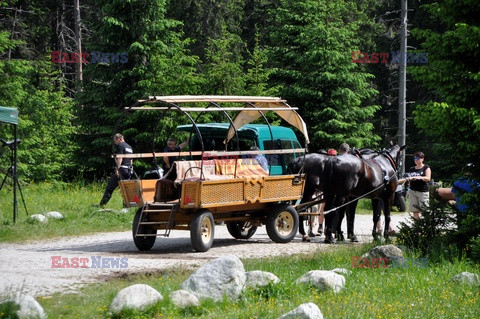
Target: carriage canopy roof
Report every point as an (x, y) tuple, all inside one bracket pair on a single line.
[(249, 112)]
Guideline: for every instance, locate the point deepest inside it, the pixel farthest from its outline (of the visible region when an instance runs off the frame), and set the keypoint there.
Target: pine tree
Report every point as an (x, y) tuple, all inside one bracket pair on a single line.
[(312, 42), (152, 60)]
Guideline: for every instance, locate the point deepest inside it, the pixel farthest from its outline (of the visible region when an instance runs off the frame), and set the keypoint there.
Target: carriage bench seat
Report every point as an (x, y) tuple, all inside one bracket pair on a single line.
[(168, 188)]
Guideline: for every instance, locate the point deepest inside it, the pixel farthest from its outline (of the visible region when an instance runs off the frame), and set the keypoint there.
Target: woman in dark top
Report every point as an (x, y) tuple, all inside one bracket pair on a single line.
[(419, 176)]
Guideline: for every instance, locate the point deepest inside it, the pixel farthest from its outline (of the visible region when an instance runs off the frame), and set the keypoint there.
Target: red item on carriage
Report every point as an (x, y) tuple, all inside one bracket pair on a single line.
[(332, 152)]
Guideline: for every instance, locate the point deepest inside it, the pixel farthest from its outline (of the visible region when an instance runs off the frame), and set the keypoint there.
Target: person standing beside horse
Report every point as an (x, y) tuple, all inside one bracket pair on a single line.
[(419, 176)]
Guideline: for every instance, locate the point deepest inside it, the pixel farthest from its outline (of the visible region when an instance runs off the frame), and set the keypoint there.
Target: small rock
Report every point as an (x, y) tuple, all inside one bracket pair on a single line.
[(323, 279), (137, 296), (466, 278), (342, 271), (258, 278), (29, 307), (385, 251), (54, 215), (39, 218), (304, 311), (182, 299)]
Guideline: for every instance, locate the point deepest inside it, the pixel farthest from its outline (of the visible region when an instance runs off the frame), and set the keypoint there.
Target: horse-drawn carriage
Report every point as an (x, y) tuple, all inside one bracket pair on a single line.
[(217, 186)]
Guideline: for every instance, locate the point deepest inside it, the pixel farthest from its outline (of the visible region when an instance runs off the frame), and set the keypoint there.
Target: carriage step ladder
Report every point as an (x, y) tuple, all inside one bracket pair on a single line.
[(160, 208)]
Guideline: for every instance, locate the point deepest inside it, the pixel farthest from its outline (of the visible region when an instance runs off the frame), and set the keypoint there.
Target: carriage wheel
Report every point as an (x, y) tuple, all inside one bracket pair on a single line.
[(241, 230), (142, 242), (282, 224), (202, 230)]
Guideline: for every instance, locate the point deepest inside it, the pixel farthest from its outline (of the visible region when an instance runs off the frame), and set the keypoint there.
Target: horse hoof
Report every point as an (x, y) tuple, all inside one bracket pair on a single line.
[(376, 237), (306, 238), (329, 240), (353, 238), (311, 234), (340, 236)]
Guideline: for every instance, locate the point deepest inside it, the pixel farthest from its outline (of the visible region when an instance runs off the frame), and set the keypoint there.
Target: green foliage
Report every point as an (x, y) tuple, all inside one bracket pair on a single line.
[(45, 116), (442, 231), (223, 67), (432, 234), (311, 45), (8, 310), (452, 76), (158, 64)]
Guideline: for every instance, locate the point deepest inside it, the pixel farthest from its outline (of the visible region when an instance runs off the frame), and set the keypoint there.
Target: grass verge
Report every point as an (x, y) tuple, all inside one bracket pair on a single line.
[(74, 201), (369, 293)]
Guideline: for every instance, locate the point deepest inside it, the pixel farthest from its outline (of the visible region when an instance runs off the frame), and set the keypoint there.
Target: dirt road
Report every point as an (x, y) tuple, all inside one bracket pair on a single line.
[(40, 268)]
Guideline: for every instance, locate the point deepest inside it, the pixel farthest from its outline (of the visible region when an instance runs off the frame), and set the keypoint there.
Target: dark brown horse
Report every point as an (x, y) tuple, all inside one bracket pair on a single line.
[(349, 176)]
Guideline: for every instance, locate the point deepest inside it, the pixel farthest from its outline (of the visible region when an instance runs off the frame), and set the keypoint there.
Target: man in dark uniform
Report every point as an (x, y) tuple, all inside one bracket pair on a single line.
[(123, 167)]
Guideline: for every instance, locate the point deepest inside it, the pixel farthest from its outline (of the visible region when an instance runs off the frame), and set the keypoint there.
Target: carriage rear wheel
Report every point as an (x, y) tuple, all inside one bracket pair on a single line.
[(241, 230), (202, 231), (282, 224), (142, 242)]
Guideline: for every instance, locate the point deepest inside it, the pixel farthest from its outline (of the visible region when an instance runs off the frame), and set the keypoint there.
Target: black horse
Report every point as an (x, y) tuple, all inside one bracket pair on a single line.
[(349, 176), (313, 165)]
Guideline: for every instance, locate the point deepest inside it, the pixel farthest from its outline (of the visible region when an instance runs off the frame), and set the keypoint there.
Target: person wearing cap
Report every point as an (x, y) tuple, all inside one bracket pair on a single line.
[(418, 176), (463, 185), (332, 152)]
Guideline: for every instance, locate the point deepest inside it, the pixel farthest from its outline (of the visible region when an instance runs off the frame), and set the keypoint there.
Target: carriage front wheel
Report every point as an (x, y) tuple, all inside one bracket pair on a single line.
[(282, 224), (202, 230), (150, 235)]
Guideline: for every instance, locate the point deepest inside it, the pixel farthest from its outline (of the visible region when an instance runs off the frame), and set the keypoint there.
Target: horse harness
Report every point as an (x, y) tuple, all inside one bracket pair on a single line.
[(386, 179)]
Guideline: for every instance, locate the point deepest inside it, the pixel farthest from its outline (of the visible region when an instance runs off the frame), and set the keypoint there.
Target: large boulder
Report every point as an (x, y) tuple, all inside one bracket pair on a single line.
[(323, 279), (304, 311), (258, 278), (224, 276), (136, 297)]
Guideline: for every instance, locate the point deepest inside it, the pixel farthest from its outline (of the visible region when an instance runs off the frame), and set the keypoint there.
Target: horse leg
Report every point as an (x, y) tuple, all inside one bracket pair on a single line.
[(351, 221), (338, 222), (311, 223), (376, 207), (301, 229), (307, 196), (387, 206), (329, 221)]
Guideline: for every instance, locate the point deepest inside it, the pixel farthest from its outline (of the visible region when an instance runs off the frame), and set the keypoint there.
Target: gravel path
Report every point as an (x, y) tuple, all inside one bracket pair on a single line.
[(28, 266)]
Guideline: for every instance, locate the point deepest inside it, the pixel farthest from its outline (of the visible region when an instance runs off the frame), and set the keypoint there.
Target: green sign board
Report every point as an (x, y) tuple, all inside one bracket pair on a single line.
[(8, 115)]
